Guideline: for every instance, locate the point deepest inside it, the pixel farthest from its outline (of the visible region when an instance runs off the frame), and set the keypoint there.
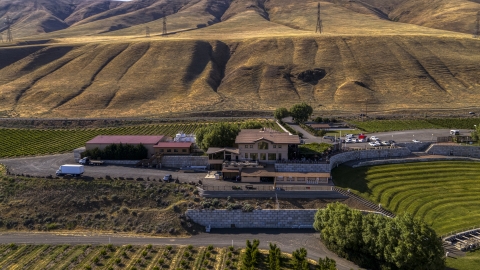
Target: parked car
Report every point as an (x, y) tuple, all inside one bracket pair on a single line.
[(454, 132), (392, 142), (329, 137), (385, 143), (70, 169), (355, 140), (349, 140), (349, 136), (374, 144), (361, 140), (168, 178), (373, 138), (471, 113), (416, 141)]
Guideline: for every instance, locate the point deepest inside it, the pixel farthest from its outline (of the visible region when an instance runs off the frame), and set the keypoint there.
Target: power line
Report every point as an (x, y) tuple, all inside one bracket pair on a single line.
[(164, 32), (476, 32), (9, 23), (147, 31), (319, 21)]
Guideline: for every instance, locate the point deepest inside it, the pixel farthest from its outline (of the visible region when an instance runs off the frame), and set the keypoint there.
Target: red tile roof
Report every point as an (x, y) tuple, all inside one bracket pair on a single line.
[(173, 145), (126, 139)]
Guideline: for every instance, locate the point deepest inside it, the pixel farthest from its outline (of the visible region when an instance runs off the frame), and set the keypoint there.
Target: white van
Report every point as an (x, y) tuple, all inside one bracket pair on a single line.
[(454, 132)]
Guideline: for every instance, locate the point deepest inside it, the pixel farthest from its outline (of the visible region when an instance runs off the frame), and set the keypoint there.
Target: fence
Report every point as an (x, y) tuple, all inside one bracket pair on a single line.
[(267, 188)]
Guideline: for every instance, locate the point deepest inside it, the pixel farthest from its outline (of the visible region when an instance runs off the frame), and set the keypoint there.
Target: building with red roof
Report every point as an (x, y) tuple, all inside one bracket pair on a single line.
[(102, 141), (173, 148)]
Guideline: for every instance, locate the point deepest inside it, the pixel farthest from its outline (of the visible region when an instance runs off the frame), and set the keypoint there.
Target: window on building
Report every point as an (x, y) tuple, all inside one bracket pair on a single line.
[(161, 150), (290, 178), (184, 150), (251, 146), (263, 156), (272, 156), (175, 150), (253, 156), (169, 150), (279, 178), (246, 155), (300, 178), (279, 146), (246, 145), (274, 146), (263, 145)]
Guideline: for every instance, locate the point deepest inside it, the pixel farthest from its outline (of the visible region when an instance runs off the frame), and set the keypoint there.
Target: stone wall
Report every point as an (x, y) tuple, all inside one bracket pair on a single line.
[(256, 219), (368, 154), (454, 150), (295, 167), (184, 161)]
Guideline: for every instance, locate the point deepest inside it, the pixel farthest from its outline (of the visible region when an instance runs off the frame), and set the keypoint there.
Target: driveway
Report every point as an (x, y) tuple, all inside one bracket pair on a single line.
[(287, 239)]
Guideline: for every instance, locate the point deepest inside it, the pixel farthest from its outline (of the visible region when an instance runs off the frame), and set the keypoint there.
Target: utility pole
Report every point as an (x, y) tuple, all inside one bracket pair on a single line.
[(476, 32), (164, 32), (319, 21), (9, 23), (147, 31)]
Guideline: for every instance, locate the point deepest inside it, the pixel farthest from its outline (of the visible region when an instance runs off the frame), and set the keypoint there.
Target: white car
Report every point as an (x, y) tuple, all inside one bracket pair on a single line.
[(349, 136), (373, 138), (385, 143), (374, 144), (416, 141), (361, 140), (348, 140)]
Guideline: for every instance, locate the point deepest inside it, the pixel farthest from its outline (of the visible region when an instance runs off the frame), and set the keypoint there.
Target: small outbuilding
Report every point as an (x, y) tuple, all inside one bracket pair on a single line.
[(173, 148)]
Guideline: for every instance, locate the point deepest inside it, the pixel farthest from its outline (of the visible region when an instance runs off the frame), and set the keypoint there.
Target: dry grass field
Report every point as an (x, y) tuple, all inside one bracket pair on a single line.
[(245, 55)]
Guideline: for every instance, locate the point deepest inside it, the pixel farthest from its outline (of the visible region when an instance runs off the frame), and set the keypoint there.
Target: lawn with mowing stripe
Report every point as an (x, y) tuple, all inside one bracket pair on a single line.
[(446, 195)]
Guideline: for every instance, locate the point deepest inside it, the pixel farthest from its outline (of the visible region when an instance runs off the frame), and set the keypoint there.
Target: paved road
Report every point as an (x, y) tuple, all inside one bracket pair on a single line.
[(287, 240)]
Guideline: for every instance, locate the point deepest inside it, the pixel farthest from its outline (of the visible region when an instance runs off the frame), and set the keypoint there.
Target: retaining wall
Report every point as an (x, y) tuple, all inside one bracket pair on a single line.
[(184, 161), (368, 154), (295, 167), (302, 218), (454, 150)]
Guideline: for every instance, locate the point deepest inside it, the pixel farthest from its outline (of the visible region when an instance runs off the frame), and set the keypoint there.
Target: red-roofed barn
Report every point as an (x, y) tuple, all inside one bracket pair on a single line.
[(173, 148), (102, 141)]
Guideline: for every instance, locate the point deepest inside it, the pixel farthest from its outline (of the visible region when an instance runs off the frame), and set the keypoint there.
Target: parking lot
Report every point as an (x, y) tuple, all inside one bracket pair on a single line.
[(407, 136)]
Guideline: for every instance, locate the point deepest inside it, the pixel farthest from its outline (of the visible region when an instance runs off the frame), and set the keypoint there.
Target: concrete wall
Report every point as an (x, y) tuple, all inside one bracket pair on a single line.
[(295, 167), (368, 154), (257, 219), (454, 150), (184, 161)]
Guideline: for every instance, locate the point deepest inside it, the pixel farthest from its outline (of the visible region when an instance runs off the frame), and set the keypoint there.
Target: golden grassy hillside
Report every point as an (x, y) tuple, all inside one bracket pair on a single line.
[(242, 55)]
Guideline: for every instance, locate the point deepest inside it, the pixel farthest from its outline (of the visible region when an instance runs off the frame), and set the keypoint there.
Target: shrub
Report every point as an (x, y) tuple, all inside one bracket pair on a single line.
[(210, 247), (190, 247)]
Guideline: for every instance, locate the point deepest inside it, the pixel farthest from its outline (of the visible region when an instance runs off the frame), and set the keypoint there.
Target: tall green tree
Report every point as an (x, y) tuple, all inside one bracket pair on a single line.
[(379, 242), (217, 135), (301, 112), (250, 257), (274, 257), (281, 113), (299, 259), (326, 264)]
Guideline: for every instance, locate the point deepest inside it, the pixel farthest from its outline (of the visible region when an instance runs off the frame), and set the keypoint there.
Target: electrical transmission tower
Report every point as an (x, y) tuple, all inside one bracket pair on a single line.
[(9, 23), (147, 31), (476, 32), (319, 21), (164, 32)]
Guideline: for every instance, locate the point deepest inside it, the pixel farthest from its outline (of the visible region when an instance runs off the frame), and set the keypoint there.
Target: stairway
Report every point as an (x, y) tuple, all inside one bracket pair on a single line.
[(363, 201)]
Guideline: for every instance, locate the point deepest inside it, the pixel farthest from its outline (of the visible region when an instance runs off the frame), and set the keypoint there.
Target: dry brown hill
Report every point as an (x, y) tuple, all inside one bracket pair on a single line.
[(241, 55)]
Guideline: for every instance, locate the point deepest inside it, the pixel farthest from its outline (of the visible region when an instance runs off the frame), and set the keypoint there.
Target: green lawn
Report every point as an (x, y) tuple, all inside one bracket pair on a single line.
[(444, 194), (470, 262)]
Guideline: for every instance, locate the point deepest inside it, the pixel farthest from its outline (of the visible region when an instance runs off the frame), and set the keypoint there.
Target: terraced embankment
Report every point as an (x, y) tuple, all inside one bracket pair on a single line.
[(444, 194)]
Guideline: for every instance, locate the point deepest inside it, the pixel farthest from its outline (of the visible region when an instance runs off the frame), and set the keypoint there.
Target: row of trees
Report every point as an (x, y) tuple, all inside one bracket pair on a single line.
[(118, 152), (377, 242), (299, 112), (222, 134), (299, 261)]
